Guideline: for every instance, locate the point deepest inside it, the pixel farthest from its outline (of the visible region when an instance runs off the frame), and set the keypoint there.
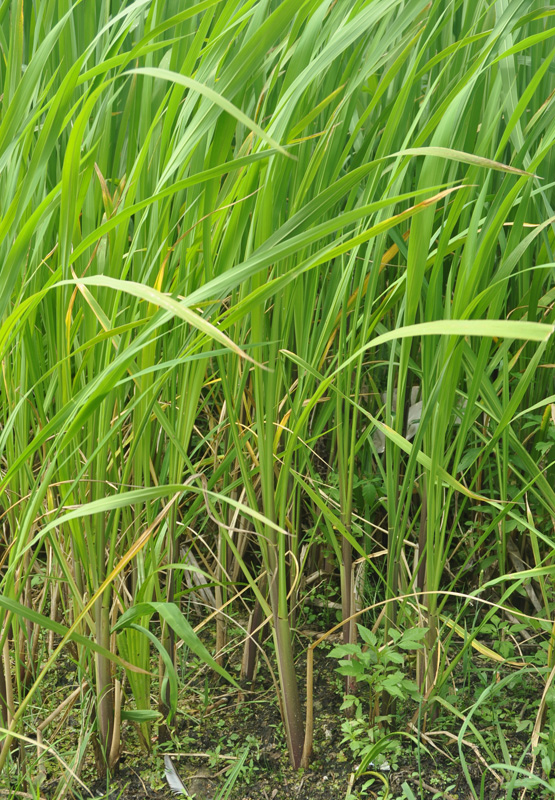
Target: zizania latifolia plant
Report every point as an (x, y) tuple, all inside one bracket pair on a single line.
[(276, 301)]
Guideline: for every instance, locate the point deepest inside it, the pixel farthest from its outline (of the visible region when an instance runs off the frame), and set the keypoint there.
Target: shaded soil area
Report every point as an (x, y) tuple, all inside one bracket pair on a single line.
[(219, 730)]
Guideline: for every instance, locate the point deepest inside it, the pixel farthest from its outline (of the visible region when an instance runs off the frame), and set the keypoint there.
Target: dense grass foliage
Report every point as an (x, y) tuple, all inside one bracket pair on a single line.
[(242, 243)]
